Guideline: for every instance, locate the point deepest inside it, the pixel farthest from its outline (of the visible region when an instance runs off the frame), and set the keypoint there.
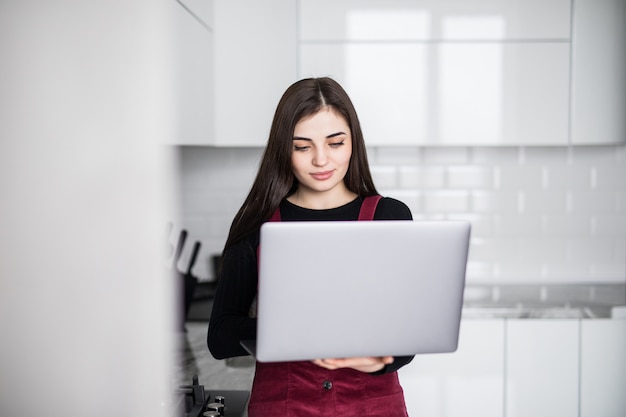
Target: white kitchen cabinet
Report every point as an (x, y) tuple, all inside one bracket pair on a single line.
[(386, 82), (468, 382), (376, 20), (421, 72), (201, 10), (192, 69), (451, 93), (599, 72), (542, 368), (429, 72), (603, 368), (255, 61), (523, 367)]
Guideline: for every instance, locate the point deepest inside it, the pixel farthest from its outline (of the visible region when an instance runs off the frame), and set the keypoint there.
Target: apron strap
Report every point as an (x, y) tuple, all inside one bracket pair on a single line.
[(368, 208)]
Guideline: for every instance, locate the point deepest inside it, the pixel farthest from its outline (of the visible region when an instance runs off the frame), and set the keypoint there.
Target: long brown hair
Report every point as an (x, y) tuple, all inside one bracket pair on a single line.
[(275, 179)]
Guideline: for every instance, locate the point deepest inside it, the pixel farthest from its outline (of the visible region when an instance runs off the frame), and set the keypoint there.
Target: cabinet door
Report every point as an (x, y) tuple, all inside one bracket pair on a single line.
[(367, 20), (465, 93), (433, 72), (201, 10), (542, 368), (468, 382), (599, 72), (388, 84), (603, 368), (255, 62), (193, 76)]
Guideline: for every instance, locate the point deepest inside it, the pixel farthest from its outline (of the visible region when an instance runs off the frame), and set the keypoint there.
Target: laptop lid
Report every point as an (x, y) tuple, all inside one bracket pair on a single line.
[(369, 288)]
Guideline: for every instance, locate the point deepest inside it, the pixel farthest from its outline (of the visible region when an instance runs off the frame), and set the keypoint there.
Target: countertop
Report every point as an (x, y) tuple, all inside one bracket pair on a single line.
[(545, 301)]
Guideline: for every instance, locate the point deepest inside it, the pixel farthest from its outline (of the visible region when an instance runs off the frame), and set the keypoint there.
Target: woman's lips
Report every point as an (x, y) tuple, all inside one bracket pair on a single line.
[(322, 176)]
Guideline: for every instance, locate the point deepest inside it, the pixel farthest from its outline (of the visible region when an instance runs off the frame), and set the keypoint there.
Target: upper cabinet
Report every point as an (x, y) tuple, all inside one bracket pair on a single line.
[(451, 93), (192, 69), (255, 61), (420, 72), (483, 72), (234, 60), (432, 20), (599, 72)]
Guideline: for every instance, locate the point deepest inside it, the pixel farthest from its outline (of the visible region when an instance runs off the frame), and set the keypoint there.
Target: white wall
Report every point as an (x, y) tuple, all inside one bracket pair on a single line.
[(85, 307), (539, 214)]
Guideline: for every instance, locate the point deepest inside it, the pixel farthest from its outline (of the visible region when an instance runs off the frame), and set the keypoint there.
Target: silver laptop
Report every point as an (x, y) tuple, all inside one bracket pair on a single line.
[(359, 288)]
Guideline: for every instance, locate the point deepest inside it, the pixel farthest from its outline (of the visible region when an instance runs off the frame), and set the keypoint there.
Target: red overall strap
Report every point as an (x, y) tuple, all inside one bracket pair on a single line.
[(368, 208)]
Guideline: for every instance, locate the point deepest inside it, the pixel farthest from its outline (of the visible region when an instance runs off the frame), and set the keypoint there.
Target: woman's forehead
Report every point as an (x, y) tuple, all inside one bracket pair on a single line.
[(324, 118)]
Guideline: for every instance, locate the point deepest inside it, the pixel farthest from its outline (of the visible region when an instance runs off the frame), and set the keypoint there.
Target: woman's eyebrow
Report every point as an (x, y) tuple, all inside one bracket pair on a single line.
[(332, 135)]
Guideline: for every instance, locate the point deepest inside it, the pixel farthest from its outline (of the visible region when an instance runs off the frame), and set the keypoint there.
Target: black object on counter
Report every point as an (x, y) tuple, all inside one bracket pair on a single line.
[(195, 398), (195, 402), (185, 280)]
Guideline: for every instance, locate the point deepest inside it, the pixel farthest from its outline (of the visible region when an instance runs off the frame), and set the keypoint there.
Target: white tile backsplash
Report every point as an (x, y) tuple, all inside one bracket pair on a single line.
[(620, 201), (597, 271), (593, 201), (545, 156), (422, 177), (445, 156), (385, 176), (609, 225), (527, 177), (446, 201), (482, 224), (607, 176), (597, 155), (598, 250), (507, 272), (470, 177), (566, 225), (568, 177), (515, 225), (540, 250), (544, 201), (494, 201), (399, 156), (492, 250), (494, 155), (538, 214)]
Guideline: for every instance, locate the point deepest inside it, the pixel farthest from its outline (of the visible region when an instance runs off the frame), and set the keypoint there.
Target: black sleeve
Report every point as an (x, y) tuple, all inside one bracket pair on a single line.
[(391, 209), (398, 362), (230, 320)]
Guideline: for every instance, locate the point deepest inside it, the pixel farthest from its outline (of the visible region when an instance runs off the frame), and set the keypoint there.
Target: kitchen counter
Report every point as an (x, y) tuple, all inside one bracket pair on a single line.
[(544, 301)]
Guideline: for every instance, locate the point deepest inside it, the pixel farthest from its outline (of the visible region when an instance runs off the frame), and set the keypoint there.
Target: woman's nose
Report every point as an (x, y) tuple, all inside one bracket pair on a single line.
[(319, 158)]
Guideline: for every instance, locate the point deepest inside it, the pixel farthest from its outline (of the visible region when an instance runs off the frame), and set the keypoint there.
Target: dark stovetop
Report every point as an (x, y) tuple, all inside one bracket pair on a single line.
[(193, 400)]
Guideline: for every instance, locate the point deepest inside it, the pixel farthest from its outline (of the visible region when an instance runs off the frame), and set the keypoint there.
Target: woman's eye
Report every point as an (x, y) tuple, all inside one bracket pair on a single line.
[(336, 144), (300, 148)]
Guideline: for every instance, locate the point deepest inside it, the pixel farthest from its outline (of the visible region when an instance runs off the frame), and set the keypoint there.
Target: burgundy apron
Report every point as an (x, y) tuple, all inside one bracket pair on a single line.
[(301, 389)]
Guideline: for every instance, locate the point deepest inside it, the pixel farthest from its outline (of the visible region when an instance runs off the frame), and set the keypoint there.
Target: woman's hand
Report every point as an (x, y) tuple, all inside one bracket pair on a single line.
[(366, 364)]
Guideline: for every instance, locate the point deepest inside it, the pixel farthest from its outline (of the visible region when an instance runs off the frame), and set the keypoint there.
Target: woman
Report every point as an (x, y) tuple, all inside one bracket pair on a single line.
[(314, 168)]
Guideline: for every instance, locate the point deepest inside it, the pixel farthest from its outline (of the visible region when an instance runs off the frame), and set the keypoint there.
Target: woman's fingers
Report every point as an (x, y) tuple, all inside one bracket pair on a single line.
[(365, 364)]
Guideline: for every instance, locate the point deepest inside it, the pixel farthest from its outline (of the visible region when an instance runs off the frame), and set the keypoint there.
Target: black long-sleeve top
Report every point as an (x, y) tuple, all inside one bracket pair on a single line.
[(230, 320)]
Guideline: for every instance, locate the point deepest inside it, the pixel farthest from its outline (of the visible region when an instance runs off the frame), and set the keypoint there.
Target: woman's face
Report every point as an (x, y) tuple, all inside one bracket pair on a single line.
[(320, 157)]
